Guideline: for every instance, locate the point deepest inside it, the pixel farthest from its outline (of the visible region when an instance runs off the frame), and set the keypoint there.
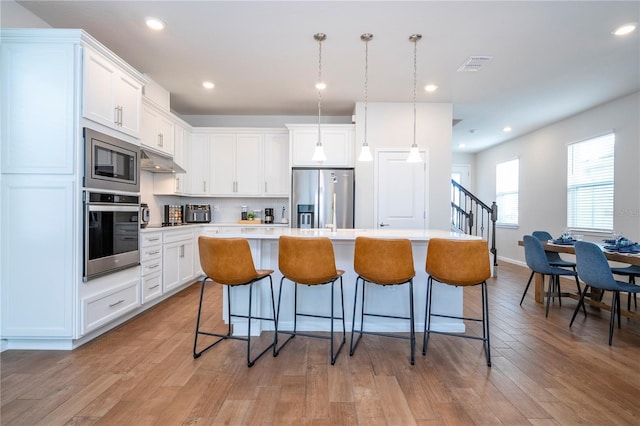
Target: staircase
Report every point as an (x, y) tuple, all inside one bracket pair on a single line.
[(473, 217)]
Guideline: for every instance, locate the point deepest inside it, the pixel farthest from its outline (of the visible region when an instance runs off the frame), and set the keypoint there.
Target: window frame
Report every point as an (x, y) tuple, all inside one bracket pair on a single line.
[(500, 195)]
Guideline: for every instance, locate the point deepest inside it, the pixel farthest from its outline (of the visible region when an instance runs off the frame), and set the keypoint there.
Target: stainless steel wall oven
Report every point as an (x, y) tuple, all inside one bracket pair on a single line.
[(111, 224)]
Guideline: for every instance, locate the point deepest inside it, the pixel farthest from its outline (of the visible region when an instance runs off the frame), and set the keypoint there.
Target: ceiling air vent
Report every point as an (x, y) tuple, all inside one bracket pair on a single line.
[(474, 63)]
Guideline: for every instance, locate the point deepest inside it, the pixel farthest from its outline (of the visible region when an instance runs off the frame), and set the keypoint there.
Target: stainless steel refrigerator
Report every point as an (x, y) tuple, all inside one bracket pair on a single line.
[(312, 198)]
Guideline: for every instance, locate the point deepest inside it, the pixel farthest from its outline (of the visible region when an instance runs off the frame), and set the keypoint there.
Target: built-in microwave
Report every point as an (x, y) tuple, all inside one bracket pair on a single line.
[(110, 163)]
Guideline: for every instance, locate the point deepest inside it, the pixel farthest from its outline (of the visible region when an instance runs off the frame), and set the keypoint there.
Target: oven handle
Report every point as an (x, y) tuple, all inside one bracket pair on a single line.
[(131, 208), (85, 248)]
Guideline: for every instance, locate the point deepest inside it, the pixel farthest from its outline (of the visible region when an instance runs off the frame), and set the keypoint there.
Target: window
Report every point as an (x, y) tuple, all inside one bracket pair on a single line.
[(590, 184), (507, 192)]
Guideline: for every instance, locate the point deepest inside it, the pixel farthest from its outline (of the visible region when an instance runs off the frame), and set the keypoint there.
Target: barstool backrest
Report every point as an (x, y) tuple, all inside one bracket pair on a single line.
[(307, 260), (458, 262), (384, 261), (227, 260)]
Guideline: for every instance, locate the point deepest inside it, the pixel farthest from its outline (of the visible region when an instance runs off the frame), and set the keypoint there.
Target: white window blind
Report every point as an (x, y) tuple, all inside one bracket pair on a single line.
[(507, 177), (590, 184)]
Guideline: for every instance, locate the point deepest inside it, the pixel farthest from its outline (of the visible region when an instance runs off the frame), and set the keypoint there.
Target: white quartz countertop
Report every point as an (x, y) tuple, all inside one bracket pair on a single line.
[(266, 232)]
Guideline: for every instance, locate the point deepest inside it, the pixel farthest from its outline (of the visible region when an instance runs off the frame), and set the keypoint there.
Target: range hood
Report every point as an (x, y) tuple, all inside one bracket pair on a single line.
[(156, 163)]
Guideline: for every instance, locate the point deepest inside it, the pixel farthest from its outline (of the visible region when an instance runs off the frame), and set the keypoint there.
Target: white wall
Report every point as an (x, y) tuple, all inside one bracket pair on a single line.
[(543, 176), (390, 126), (13, 15)]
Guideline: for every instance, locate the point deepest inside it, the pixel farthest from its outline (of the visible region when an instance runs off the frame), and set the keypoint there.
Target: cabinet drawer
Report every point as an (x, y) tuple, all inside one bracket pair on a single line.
[(100, 309), (151, 267), (172, 237), (149, 254), (151, 286), (150, 239)]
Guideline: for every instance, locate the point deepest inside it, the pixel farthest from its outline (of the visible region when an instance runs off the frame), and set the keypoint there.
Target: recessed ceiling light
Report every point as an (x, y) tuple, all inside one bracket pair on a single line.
[(208, 85), (462, 145), (624, 29), (155, 24), (430, 87), (506, 129), (321, 86)]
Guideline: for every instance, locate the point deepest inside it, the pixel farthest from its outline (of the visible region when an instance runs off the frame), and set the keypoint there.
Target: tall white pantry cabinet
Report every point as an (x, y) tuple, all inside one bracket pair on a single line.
[(42, 89)]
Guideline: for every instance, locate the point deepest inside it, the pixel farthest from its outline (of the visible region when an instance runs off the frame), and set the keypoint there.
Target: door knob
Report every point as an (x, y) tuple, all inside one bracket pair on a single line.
[(382, 225)]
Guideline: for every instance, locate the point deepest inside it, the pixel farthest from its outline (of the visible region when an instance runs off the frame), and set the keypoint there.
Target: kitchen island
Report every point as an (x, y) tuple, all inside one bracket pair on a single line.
[(315, 299)]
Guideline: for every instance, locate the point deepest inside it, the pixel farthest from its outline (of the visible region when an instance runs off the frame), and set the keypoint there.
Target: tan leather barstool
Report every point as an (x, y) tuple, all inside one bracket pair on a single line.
[(462, 263), (310, 261), (228, 261), (383, 262)]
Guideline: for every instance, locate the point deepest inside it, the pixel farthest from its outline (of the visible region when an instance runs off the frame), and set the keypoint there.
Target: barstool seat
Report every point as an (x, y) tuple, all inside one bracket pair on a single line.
[(383, 262), (462, 263), (228, 261), (310, 261)]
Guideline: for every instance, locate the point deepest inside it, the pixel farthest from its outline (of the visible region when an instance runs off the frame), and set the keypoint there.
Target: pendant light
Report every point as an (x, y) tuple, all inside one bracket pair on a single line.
[(414, 154), (365, 152), (318, 153)]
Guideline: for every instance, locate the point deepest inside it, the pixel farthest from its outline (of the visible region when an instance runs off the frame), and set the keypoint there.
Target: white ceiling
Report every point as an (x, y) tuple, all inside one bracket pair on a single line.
[(550, 59)]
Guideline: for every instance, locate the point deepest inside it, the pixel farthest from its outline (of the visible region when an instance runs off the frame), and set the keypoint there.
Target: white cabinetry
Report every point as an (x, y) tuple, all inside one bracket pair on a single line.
[(198, 174), (157, 130), (277, 176), (237, 164), (106, 306), (176, 183), (177, 258), (337, 141), (240, 162), (151, 265), (112, 95)]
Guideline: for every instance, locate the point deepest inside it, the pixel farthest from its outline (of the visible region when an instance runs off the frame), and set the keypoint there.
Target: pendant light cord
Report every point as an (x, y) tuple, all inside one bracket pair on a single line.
[(366, 85), (415, 67), (319, 89)]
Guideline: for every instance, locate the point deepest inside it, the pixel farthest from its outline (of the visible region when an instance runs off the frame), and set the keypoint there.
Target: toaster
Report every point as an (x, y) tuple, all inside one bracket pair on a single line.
[(197, 213)]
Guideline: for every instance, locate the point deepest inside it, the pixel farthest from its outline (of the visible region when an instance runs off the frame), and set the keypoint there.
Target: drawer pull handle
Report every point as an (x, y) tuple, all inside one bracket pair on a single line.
[(116, 304), (154, 266), (154, 239), (153, 252), (155, 286)]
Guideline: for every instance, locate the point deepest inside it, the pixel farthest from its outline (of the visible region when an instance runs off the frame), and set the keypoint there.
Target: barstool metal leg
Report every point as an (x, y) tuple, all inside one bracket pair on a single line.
[(427, 316), (412, 325), (485, 321)]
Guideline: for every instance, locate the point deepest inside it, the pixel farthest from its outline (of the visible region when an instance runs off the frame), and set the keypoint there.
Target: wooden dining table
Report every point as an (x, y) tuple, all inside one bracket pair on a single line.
[(594, 299)]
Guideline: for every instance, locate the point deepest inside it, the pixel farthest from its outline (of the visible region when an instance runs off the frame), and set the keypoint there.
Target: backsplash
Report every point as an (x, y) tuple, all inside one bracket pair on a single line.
[(224, 210)]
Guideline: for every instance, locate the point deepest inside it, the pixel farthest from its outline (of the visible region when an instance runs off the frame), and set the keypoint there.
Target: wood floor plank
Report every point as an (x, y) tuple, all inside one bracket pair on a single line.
[(143, 373)]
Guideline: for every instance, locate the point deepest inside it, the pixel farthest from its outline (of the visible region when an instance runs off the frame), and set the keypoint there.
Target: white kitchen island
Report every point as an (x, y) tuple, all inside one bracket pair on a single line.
[(391, 300)]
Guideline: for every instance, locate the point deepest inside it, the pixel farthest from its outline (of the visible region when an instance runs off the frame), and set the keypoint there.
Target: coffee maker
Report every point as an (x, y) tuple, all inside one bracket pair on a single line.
[(268, 215)]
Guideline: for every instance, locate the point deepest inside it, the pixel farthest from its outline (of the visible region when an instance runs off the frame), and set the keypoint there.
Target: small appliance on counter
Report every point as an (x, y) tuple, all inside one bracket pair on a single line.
[(144, 215), (268, 215), (197, 213), (172, 215)]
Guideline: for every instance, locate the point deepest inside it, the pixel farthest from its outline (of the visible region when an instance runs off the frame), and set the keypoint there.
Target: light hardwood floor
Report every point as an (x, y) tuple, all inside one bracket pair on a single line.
[(143, 373)]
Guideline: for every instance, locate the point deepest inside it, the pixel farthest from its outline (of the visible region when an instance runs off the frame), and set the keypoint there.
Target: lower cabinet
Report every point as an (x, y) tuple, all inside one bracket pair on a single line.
[(177, 258), (105, 307)]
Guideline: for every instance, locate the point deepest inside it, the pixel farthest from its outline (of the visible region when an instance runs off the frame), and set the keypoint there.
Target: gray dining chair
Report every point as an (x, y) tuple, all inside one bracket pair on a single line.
[(632, 272), (594, 271), (553, 257), (538, 263)]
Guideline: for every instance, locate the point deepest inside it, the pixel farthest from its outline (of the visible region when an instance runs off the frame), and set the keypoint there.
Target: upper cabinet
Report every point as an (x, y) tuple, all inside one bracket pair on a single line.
[(157, 130), (112, 95), (237, 168), (337, 141), (276, 164)]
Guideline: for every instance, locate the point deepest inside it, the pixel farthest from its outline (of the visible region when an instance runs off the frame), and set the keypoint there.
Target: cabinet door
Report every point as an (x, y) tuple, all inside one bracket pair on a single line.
[(276, 165), (186, 261), (181, 149), (99, 89), (223, 177), (171, 265), (198, 172), (249, 159), (166, 131), (128, 99)]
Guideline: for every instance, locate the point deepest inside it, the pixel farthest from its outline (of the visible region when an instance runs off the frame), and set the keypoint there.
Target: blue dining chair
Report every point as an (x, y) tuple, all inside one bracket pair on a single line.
[(594, 271), (632, 272), (553, 257), (538, 263)]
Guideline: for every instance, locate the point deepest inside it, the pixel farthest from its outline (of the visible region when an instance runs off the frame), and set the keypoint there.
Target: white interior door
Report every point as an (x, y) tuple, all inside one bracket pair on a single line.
[(400, 191)]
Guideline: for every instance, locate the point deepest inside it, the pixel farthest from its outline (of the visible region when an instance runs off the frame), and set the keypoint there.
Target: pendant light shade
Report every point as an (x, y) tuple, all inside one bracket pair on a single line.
[(318, 153), (365, 152), (414, 154)]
